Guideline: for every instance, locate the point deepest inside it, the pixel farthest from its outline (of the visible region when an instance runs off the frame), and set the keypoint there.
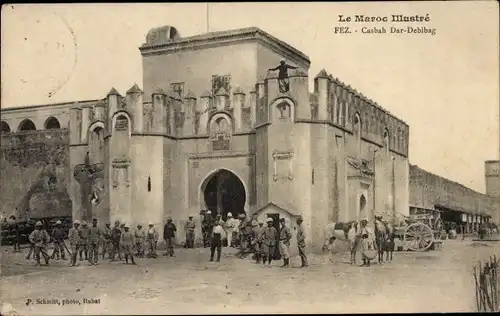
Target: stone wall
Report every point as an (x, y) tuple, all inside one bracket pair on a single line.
[(428, 190), (34, 173)]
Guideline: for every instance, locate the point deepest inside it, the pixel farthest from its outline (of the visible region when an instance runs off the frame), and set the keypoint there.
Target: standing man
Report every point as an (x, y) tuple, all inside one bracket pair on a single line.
[(283, 81), (367, 239), (169, 236), (189, 228), (40, 238), (84, 240), (140, 238), (116, 234), (269, 236), (230, 225), (152, 239), (95, 237), (58, 238), (217, 236), (127, 243), (301, 242), (15, 227), (257, 241), (285, 237), (74, 241), (107, 242), (207, 228)]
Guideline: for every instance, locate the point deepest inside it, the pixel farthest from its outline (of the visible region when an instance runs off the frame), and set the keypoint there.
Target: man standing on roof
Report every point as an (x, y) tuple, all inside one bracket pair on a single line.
[(283, 81)]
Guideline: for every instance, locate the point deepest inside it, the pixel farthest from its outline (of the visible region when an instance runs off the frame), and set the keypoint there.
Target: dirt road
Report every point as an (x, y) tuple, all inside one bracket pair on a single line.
[(436, 281)]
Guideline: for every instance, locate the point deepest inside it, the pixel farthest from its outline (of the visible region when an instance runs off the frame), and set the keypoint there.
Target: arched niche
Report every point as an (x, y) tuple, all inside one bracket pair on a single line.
[(220, 131), (386, 139), (26, 125), (52, 123), (283, 110), (96, 143), (4, 127), (121, 133), (357, 130)]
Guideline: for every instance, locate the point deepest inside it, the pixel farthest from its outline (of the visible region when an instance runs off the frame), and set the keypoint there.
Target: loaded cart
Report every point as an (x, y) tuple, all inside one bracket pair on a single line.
[(423, 230)]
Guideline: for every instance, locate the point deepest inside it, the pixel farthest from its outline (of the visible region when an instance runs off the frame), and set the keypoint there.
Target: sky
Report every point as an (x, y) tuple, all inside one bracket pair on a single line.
[(445, 87)]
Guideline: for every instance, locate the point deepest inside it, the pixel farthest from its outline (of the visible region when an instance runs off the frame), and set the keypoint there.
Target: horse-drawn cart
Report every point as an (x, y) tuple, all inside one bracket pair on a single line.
[(421, 231)]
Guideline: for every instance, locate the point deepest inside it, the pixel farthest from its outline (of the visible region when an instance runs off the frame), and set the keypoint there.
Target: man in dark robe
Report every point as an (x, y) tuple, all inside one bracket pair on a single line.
[(283, 81)]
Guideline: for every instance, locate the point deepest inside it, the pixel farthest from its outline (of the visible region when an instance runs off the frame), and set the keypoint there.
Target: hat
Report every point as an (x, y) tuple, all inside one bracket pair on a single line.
[(76, 222), (269, 220), (94, 219), (282, 59), (299, 218), (241, 215), (261, 222), (150, 224), (117, 222), (169, 218), (58, 223), (208, 212), (126, 225), (84, 223), (229, 215), (107, 223), (38, 223), (364, 220), (190, 215), (139, 225)]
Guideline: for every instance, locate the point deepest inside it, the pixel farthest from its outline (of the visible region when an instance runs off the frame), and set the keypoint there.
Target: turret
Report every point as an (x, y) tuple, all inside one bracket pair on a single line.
[(221, 99), (189, 121), (113, 99), (160, 111), (136, 107), (100, 111), (299, 90), (75, 119), (85, 123), (322, 87), (261, 102), (238, 101), (203, 107), (253, 107)]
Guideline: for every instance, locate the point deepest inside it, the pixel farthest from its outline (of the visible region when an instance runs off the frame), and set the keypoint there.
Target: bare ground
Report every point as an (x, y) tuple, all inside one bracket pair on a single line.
[(435, 281)]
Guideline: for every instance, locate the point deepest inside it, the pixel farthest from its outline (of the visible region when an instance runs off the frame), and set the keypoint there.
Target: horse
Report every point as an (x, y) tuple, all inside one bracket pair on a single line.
[(344, 232)]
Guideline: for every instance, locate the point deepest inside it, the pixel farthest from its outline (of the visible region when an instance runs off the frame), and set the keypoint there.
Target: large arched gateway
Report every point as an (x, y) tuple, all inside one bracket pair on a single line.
[(223, 192)]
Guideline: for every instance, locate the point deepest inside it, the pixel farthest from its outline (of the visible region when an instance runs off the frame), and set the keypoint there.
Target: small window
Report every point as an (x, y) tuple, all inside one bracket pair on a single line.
[(178, 88), (219, 82)]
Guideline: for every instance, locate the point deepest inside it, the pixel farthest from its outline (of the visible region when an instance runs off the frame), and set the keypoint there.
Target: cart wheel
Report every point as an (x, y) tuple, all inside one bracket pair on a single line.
[(418, 237)]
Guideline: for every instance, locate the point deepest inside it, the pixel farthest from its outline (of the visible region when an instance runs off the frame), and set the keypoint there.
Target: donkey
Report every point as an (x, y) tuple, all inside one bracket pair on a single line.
[(344, 232)]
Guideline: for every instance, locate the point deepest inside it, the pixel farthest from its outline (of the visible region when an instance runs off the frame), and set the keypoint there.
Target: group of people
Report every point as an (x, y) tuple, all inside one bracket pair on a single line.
[(250, 236), (119, 242), (85, 242)]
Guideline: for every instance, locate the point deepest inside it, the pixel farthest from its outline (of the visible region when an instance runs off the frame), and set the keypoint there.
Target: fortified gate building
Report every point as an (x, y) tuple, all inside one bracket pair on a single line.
[(210, 129)]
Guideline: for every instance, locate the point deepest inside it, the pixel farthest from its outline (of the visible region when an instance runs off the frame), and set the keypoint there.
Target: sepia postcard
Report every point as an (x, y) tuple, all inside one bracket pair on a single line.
[(250, 158)]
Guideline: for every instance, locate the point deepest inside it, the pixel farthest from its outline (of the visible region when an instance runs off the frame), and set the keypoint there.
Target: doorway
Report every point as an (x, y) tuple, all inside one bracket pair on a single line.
[(224, 193)]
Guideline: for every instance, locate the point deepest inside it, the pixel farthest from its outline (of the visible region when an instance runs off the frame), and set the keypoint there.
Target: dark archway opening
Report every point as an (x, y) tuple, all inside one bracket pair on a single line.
[(224, 193), (52, 123), (362, 207), (5, 128), (27, 125)]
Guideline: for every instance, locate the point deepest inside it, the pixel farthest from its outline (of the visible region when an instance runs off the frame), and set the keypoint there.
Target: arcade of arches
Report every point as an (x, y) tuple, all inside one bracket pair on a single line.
[(224, 193)]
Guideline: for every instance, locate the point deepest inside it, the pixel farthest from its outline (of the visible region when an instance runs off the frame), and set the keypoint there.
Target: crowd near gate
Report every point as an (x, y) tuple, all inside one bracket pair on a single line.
[(487, 285)]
